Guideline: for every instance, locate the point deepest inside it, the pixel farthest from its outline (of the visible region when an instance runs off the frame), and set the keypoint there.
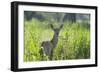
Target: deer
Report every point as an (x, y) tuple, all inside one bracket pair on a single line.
[(48, 46)]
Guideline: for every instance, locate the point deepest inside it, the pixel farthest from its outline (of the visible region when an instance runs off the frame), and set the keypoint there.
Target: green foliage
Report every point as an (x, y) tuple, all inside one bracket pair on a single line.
[(73, 43)]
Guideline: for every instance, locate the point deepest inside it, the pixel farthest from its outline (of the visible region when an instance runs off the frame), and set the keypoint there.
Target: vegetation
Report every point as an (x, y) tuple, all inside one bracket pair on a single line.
[(73, 43)]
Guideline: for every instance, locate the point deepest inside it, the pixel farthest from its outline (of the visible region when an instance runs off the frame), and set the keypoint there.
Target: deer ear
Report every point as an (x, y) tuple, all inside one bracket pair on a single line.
[(61, 26), (51, 26)]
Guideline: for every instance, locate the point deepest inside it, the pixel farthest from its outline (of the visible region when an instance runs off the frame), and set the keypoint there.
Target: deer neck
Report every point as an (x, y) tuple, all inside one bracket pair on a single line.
[(54, 40)]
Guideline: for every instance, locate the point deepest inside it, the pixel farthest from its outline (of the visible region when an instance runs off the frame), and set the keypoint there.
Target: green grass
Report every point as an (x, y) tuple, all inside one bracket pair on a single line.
[(73, 43)]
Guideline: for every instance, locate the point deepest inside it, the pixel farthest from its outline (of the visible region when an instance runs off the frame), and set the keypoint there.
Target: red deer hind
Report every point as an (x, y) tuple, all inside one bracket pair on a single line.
[(48, 46)]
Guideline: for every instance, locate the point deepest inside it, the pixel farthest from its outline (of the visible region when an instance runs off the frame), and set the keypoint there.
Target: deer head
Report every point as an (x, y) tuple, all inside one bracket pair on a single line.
[(56, 30)]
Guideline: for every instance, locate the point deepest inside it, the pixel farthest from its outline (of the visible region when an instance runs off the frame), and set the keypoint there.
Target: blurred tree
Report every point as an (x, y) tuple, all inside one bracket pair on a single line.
[(58, 18)]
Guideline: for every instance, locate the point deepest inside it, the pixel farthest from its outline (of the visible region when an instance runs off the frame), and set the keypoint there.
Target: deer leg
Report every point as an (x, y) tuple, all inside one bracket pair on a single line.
[(51, 55), (41, 54)]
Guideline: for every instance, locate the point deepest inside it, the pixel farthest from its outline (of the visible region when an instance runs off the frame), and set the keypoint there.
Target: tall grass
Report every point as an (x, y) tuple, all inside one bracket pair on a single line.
[(73, 43)]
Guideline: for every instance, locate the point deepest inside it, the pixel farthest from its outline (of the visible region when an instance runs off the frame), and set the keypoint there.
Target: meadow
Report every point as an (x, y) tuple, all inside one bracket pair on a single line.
[(73, 41)]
